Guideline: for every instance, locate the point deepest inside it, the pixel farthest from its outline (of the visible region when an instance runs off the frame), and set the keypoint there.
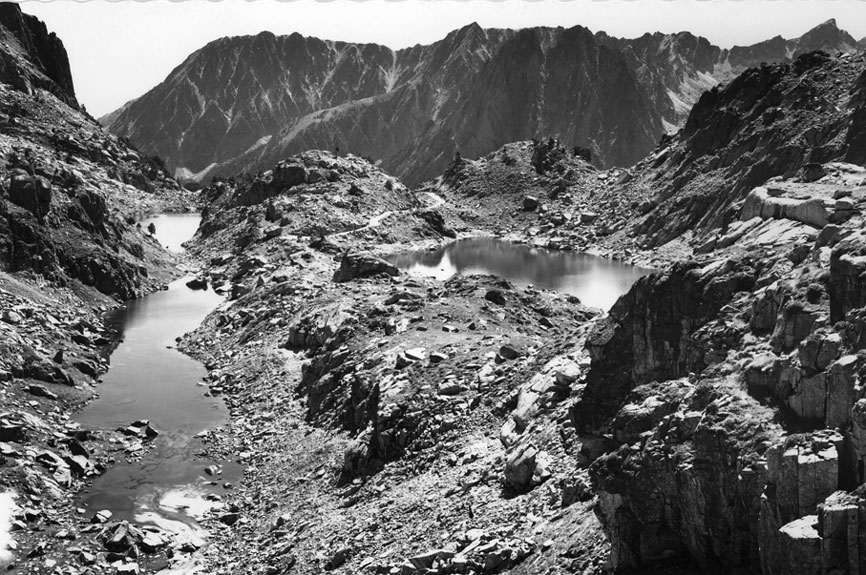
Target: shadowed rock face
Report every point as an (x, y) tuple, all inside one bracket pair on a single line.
[(244, 103), (649, 334), (31, 57)]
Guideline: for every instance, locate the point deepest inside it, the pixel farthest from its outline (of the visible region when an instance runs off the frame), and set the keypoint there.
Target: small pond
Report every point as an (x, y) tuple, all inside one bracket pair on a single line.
[(149, 379), (597, 282), (172, 229)]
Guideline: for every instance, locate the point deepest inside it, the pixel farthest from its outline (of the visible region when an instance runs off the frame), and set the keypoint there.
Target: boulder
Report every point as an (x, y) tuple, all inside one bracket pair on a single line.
[(520, 466), (197, 283), (128, 569), (759, 203), (813, 172), (363, 265), (287, 175), (509, 352), (530, 203), (40, 391), (496, 296), (33, 193)]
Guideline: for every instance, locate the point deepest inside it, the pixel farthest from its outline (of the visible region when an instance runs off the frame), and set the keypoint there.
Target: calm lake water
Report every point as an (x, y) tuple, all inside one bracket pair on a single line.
[(173, 229), (597, 282), (149, 379)]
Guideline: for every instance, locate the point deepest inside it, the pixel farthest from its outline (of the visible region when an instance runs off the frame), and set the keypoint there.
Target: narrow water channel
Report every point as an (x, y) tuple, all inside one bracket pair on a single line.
[(597, 282), (149, 379)]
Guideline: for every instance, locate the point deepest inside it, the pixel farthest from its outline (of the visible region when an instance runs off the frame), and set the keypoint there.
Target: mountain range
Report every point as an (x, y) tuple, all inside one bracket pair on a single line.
[(242, 103)]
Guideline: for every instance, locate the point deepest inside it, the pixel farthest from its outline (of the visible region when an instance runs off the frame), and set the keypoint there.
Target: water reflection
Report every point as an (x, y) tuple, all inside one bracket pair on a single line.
[(173, 229), (149, 379), (597, 282)]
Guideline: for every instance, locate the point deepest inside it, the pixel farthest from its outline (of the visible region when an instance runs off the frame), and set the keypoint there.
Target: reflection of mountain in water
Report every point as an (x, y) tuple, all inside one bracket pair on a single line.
[(596, 281)]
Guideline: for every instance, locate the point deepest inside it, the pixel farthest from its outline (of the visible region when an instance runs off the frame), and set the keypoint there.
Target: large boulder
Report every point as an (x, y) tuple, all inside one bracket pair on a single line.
[(33, 193), (363, 265), (520, 467), (287, 175), (760, 204)]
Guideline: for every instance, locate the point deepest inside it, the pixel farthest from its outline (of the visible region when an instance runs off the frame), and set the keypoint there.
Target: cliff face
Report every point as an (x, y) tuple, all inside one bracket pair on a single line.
[(722, 412), (31, 57), (242, 104)]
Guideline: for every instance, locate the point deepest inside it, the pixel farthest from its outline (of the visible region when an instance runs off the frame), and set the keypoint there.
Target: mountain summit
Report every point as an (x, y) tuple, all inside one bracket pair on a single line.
[(242, 103)]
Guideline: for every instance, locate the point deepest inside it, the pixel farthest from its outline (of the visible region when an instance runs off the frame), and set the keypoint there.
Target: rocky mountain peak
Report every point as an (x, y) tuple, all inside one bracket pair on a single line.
[(826, 36), (31, 57), (414, 108)]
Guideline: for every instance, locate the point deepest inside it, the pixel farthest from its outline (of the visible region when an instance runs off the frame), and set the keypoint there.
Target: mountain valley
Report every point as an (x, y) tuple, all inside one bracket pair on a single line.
[(380, 420)]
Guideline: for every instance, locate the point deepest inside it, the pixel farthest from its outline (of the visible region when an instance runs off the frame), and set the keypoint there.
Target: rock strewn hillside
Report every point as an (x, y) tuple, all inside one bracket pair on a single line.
[(70, 191), (379, 397), (243, 104), (770, 121)]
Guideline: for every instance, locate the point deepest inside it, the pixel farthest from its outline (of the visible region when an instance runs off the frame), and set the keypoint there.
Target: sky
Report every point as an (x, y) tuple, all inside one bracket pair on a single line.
[(120, 49)]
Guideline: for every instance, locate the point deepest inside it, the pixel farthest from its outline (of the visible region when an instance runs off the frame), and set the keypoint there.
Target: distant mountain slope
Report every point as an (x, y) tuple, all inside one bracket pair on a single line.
[(241, 104), (31, 57), (769, 122)]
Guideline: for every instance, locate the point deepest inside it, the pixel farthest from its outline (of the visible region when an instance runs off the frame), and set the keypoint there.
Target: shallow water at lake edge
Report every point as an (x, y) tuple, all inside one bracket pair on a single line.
[(149, 379), (596, 281)]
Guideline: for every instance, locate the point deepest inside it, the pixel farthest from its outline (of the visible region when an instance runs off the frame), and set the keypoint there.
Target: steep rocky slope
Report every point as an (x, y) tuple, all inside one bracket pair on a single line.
[(771, 121), (242, 104)]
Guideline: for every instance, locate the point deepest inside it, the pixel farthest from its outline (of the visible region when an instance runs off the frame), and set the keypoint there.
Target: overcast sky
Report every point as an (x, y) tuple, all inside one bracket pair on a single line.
[(119, 50)]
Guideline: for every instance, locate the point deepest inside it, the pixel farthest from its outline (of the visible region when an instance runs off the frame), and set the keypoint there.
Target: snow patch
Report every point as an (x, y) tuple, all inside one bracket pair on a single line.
[(391, 77), (680, 107), (260, 143), (189, 501), (7, 510), (183, 173)]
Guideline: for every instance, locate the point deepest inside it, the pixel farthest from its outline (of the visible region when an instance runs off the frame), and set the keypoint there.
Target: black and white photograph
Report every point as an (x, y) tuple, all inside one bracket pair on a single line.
[(433, 287)]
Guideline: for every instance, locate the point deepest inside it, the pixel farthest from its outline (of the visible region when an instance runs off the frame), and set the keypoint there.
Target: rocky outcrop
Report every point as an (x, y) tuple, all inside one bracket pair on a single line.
[(760, 204), (686, 485), (32, 57), (363, 265), (761, 127), (651, 332)]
